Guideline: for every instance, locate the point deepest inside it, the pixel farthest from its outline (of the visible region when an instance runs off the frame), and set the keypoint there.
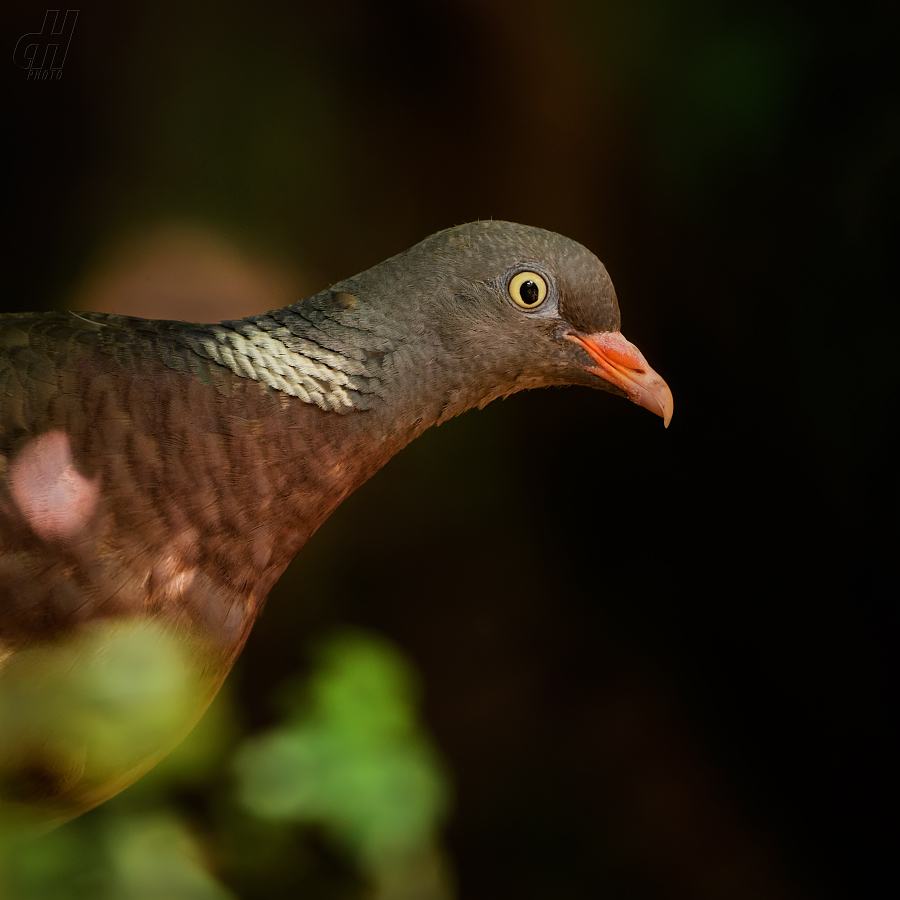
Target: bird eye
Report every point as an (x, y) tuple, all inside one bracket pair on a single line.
[(528, 290)]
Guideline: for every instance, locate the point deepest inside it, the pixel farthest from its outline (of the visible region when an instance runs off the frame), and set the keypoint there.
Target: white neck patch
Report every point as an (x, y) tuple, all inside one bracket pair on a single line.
[(258, 354)]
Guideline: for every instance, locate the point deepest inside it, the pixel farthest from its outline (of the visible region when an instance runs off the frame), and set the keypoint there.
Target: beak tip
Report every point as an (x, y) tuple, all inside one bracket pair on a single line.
[(657, 397), (668, 411)]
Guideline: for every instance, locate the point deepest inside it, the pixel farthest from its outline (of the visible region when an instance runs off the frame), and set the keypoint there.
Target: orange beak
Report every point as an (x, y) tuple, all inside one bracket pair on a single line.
[(622, 364)]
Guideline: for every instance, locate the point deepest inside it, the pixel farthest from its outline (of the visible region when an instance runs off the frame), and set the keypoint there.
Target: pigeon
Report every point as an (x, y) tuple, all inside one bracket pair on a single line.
[(157, 477)]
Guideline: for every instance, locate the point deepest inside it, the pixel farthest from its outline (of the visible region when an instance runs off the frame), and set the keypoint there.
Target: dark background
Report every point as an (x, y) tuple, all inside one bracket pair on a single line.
[(657, 662)]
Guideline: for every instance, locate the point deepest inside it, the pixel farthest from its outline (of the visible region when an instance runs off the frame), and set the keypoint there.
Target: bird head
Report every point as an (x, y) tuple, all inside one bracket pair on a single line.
[(490, 308)]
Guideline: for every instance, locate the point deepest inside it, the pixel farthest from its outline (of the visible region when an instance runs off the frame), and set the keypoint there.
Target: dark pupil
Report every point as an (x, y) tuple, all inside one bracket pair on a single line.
[(529, 293)]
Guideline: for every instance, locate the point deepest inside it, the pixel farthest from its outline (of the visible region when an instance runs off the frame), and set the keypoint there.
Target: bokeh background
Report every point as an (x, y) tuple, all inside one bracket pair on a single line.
[(625, 662)]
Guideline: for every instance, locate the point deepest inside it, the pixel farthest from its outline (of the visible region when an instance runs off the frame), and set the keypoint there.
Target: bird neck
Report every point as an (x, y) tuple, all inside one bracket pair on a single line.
[(292, 411), (335, 352)]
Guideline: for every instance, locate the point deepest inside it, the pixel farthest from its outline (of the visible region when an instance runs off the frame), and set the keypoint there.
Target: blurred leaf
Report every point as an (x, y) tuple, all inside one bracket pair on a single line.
[(154, 857), (352, 758), (85, 716), (113, 857)]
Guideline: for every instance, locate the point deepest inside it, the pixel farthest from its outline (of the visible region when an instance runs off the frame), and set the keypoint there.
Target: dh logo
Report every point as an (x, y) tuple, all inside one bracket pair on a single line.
[(44, 52)]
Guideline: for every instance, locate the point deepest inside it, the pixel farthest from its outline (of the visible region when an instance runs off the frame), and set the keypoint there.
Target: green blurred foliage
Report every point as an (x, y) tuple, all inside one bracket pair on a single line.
[(114, 855), (89, 712), (82, 714), (353, 757), (349, 760)]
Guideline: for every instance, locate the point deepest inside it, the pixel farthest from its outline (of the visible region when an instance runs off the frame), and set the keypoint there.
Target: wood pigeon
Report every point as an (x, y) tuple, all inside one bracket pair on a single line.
[(156, 477)]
